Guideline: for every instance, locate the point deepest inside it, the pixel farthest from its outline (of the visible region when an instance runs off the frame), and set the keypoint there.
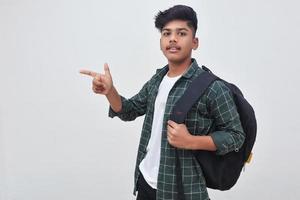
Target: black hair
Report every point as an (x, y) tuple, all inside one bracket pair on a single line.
[(177, 12)]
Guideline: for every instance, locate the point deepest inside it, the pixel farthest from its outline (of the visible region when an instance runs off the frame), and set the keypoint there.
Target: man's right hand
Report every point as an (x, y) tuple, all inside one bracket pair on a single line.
[(102, 83)]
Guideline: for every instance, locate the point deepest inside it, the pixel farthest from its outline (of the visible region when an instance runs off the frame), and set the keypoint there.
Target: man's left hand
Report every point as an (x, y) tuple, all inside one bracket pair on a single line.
[(178, 135)]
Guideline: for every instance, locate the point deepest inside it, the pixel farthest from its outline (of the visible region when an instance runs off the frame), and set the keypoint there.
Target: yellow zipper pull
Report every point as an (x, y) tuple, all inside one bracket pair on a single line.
[(249, 158)]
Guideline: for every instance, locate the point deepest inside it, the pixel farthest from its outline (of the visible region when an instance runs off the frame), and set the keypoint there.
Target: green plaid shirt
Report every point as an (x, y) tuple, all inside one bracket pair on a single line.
[(214, 114)]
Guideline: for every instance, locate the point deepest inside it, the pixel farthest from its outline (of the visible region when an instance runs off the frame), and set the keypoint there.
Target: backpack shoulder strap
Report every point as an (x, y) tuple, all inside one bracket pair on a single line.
[(194, 91)]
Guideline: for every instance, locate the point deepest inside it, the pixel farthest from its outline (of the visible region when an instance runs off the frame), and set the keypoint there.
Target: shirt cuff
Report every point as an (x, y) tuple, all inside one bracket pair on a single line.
[(112, 113), (223, 141)]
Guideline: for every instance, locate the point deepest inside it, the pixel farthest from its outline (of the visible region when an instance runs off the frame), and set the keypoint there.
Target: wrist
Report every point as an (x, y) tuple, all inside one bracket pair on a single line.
[(192, 144), (114, 99), (202, 142), (110, 91)]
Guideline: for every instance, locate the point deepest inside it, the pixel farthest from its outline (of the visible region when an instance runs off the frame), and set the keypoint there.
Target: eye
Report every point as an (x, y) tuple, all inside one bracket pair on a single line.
[(181, 33), (166, 33)]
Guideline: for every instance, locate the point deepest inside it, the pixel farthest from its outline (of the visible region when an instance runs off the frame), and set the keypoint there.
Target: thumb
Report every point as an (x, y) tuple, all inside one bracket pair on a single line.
[(106, 70)]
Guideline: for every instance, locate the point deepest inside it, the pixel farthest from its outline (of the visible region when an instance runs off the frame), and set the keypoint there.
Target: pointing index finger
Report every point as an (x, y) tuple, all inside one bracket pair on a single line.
[(88, 72)]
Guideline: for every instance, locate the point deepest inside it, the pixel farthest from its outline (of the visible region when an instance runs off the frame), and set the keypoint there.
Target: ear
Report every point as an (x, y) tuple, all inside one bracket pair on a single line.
[(160, 44), (195, 43)]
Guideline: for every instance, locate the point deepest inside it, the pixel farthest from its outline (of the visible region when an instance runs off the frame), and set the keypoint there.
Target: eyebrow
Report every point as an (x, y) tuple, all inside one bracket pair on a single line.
[(177, 29)]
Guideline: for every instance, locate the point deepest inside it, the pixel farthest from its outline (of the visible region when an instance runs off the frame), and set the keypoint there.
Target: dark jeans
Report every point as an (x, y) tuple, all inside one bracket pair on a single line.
[(145, 191)]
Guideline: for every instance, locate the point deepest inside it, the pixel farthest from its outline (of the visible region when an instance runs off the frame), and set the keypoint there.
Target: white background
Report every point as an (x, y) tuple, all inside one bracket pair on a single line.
[(56, 141)]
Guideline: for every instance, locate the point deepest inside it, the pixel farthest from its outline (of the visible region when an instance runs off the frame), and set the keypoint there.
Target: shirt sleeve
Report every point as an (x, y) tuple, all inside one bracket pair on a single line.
[(228, 134), (133, 107)]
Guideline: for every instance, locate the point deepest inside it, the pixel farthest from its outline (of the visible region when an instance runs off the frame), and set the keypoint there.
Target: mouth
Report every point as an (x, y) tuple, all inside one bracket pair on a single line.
[(173, 48)]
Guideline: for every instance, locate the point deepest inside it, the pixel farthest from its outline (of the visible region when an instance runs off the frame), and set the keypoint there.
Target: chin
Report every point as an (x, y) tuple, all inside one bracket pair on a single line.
[(176, 59)]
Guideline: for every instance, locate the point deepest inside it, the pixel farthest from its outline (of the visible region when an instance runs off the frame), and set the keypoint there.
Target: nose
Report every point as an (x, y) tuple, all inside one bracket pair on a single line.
[(173, 37)]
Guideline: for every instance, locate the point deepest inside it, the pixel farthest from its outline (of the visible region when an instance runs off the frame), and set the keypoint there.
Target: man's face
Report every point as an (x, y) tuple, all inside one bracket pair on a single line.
[(177, 41)]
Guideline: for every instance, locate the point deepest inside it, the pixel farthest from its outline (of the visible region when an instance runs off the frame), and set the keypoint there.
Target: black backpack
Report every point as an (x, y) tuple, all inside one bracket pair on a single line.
[(221, 172)]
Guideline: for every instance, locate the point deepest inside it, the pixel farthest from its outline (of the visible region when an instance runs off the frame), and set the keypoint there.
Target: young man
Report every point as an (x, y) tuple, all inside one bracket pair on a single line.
[(212, 124)]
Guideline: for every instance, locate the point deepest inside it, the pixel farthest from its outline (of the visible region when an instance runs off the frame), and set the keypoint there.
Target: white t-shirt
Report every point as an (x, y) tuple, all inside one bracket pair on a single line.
[(150, 164)]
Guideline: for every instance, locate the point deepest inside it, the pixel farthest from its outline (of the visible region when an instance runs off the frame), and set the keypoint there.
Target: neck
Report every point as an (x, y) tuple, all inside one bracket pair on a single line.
[(178, 68)]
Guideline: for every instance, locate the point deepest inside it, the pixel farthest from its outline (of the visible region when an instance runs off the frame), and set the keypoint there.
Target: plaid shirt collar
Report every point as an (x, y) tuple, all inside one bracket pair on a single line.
[(160, 73)]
